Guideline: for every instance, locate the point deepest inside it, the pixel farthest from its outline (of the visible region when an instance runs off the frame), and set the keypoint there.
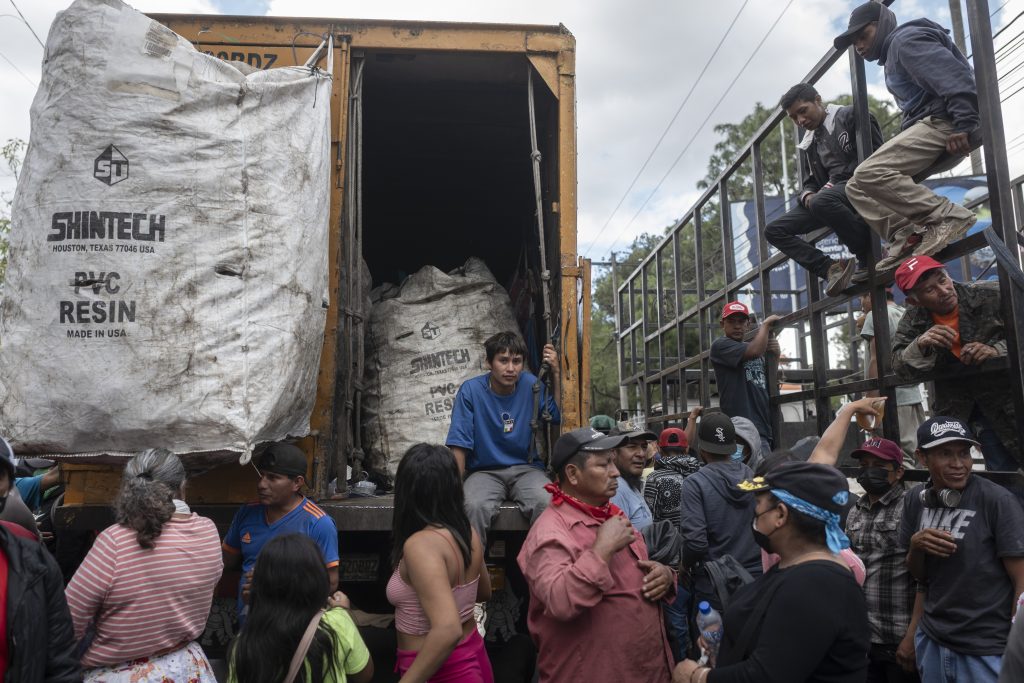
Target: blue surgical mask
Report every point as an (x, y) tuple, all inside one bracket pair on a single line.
[(738, 455)]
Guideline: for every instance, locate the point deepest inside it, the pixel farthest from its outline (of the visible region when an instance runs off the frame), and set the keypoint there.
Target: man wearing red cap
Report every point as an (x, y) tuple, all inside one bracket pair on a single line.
[(740, 369), (949, 327)]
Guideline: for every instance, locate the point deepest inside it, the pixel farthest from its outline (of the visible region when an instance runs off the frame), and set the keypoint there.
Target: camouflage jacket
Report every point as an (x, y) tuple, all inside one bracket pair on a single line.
[(961, 388)]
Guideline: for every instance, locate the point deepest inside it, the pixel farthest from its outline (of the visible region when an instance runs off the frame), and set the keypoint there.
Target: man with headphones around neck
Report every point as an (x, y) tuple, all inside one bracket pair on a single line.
[(965, 540)]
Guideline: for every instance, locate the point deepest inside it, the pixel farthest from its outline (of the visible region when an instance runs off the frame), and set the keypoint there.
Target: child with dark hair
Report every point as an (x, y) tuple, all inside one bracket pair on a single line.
[(289, 592), (439, 573), (491, 436)]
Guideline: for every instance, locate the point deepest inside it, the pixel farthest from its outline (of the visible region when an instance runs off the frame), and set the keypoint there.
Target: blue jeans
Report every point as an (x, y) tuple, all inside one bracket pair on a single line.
[(997, 457), (678, 614), (939, 664)]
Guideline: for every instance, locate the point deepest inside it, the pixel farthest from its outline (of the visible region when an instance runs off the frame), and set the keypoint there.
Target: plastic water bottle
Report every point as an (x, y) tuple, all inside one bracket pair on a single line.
[(710, 624)]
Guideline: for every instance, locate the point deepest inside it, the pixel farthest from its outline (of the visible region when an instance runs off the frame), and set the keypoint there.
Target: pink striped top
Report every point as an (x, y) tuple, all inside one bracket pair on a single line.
[(146, 601)]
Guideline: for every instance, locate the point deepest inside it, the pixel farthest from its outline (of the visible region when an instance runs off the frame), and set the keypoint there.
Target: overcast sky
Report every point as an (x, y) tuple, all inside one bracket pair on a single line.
[(635, 63)]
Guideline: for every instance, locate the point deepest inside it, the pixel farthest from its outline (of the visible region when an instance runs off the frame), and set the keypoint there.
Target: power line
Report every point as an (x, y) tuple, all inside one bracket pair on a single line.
[(999, 9), (668, 127), (25, 21), (708, 117), (13, 66)]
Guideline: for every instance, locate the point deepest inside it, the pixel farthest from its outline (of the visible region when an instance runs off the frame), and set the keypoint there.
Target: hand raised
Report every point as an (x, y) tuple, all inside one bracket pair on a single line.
[(613, 535)]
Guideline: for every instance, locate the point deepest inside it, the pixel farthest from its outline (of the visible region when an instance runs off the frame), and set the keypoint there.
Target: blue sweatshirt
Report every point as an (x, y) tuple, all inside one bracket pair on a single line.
[(929, 76)]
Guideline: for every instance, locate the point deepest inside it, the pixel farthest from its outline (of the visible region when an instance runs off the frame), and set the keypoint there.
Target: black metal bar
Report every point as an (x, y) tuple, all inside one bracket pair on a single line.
[(725, 217), (999, 201), (702, 327)]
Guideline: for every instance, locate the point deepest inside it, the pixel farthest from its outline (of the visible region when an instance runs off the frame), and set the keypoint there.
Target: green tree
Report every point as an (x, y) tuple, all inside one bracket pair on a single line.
[(12, 153), (734, 138)]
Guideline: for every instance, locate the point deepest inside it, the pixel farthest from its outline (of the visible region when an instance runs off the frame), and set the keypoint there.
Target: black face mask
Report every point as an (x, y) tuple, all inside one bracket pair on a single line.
[(875, 480), (760, 538)]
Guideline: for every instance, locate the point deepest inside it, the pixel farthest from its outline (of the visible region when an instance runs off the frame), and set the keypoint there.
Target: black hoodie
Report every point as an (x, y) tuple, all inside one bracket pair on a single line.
[(717, 517), (929, 76)]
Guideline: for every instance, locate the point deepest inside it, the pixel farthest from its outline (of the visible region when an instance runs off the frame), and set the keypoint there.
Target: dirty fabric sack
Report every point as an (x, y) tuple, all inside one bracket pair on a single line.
[(424, 340), (167, 282)]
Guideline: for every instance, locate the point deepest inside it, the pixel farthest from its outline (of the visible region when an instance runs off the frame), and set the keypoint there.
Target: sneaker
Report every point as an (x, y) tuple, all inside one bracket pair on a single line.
[(860, 276), (942, 235), (897, 252), (839, 275)]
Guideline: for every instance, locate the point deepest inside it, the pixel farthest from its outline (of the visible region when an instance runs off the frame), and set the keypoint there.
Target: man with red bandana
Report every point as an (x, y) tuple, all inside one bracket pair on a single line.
[(594, 594), (950, 327)]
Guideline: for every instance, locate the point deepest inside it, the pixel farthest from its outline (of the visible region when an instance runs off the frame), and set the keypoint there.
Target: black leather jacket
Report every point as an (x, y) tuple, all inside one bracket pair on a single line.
[(40, 636), (830, 157)]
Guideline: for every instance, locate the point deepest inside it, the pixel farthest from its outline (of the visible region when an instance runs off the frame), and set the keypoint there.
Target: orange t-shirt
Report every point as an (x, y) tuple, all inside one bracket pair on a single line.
[(950, 320)]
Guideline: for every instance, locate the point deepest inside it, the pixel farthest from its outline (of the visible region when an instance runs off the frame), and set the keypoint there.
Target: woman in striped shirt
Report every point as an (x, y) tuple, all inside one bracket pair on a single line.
[(143, 593)]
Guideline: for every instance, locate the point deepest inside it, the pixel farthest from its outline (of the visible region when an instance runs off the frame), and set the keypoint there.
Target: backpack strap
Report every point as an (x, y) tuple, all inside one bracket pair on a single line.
[(303, 648), (752, 626)]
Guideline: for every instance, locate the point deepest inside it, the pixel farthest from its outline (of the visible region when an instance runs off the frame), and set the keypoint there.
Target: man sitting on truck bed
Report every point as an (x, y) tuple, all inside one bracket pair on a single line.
[(740, 369), (282, 509), (829, 150), (491, 436)]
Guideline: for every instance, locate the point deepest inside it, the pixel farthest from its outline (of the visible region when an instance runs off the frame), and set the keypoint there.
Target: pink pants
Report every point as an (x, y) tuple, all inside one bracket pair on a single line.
[(468, 662)]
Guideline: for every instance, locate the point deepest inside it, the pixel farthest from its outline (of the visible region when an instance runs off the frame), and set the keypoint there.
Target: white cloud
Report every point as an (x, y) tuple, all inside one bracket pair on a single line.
[(635, 63)]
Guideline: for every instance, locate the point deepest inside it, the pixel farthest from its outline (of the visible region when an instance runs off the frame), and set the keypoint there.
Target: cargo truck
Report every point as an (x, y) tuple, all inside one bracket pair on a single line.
[(433, 163)]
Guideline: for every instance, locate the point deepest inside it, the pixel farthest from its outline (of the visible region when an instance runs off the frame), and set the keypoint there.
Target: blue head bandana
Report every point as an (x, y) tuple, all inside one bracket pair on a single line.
[(834, 536)]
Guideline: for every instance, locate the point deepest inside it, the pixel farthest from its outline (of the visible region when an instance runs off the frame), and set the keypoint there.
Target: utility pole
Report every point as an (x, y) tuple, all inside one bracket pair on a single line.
[(957, 19)]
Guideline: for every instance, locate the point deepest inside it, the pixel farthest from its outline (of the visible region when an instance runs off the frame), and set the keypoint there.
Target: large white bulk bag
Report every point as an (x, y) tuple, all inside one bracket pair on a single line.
[(424, 340), (167, 282)]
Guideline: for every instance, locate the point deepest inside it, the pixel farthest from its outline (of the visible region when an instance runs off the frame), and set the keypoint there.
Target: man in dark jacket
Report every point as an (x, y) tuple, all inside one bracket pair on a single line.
[(716, 516), (933, 84), (39, 642), (949, 327), (829, 151)]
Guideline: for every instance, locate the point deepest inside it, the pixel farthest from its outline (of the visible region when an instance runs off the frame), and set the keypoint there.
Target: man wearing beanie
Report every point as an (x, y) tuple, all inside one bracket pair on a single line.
[(933, 84)]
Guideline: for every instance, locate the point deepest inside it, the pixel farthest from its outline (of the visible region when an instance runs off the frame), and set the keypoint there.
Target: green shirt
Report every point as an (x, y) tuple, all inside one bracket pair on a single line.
[(351, 656)]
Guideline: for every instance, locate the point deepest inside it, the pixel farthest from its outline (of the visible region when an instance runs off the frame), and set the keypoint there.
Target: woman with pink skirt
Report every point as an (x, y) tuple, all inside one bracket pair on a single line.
[(439, 573)]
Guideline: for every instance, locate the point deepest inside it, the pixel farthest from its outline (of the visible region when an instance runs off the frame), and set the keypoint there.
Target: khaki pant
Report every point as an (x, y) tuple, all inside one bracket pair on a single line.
[(883, 189), (911, 417)]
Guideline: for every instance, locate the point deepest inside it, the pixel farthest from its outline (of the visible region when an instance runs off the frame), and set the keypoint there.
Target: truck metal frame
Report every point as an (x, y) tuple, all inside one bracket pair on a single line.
[(551, 52), (656, 306)]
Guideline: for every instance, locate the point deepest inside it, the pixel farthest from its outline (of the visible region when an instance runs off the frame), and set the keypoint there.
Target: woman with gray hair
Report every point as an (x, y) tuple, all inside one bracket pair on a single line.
[(143, 593)]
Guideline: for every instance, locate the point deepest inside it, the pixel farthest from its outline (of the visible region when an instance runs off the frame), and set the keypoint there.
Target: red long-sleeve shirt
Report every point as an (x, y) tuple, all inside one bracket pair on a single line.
[(589, 618)]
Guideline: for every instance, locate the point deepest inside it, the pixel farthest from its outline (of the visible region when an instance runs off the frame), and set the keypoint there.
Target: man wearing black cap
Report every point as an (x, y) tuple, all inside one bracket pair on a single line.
[(933, 84), (715, 515), (964, 537), (282, 509), (594, 593), (630, 460), (38, 639)]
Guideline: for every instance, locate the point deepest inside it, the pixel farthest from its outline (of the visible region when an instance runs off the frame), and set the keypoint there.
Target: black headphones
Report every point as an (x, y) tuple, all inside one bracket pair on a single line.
[(939, 498)]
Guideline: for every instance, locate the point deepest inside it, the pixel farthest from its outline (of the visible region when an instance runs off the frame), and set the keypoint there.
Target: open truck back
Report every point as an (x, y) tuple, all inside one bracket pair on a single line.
[(431, 150), (431, 164)]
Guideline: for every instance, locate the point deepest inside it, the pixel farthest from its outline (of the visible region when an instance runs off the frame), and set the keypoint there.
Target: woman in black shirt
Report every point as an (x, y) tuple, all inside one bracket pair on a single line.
[(806, 618)]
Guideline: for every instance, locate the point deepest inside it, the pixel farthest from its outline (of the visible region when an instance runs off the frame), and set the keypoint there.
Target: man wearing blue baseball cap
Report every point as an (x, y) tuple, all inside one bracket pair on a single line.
[(964, 537)]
